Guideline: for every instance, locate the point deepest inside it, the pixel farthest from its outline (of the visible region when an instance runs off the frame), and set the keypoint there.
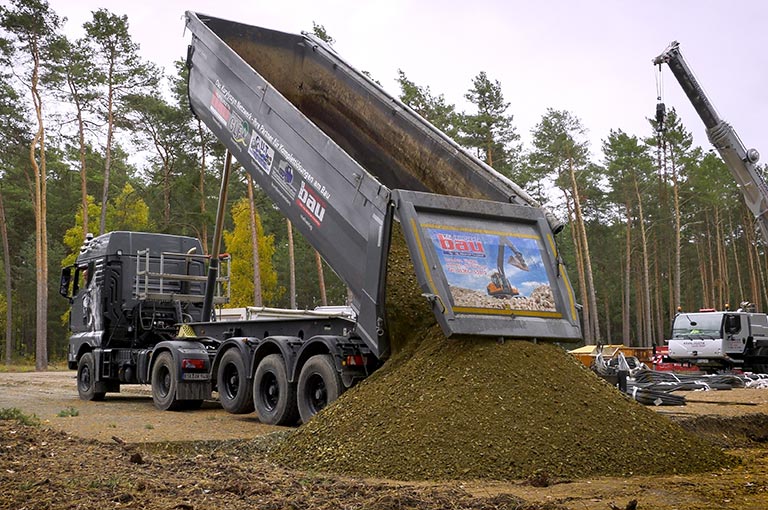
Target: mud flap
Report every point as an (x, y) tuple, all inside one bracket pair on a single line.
[(193, 390)]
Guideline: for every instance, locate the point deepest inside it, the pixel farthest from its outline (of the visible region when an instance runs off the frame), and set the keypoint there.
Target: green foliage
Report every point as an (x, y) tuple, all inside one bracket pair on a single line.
[(490, 130), (238, 243), (115, 55), (69, 412), (433, 108), (322, 33), (128, 211), (13, 413)]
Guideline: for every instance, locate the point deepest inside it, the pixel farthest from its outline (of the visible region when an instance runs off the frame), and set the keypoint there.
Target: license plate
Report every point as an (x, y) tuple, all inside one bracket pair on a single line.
[(195, 376)]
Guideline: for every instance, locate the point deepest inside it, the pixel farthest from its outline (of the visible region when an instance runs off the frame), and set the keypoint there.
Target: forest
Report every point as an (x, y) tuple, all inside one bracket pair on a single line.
[(97, 139)]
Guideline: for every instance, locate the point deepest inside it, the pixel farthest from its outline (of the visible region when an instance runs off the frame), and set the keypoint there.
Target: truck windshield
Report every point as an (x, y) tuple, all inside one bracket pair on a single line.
[(697, 325)]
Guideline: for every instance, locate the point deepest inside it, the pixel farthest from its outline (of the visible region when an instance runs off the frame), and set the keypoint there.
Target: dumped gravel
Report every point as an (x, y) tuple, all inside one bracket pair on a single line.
[(474, 408)]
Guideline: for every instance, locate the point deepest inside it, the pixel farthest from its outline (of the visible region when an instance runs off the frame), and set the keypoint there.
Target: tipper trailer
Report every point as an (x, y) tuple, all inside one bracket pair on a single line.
[(342, 160)]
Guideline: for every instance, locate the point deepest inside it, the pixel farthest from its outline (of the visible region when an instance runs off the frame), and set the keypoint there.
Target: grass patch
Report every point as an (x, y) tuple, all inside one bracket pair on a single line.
[(68, 412), (19, 366), (13, 413)]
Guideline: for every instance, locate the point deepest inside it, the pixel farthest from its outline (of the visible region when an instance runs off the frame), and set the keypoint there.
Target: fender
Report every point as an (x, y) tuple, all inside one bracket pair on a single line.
[(246, 346), (283, 345), (180, 350), (79, 344), (339, 347), (319, 344)]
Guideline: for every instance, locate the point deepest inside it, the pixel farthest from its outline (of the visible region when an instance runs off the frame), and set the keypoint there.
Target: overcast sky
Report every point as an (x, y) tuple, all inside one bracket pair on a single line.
[(592, 58)]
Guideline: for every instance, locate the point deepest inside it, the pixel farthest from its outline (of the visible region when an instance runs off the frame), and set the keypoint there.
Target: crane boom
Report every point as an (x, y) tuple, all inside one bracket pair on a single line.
[(739, 160)]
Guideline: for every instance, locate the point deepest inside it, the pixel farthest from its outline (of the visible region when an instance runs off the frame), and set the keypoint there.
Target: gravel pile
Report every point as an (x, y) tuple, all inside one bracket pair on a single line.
[(474, 408)]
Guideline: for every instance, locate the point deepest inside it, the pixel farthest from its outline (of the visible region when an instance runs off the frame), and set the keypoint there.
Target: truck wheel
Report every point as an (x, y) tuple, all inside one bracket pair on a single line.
[(273, 396), (86, 378), (164, 383), (319, 385), (235, 393)]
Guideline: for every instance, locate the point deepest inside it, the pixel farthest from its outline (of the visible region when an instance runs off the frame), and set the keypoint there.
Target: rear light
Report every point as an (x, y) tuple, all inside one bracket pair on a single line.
[(193, 364), (355, 361)]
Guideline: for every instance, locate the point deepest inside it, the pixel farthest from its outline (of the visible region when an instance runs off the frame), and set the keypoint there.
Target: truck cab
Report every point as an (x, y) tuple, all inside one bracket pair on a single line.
[(128, 291)]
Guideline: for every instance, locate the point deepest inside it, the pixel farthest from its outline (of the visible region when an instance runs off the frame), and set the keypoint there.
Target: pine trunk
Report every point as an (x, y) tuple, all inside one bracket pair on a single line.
[(660, 321), (626, 308), (257, 298), (108, 150), (203, 148), (646, 339), (321, 278), (702, 276), (582, 232), (291, 266), (81, 142), (8, 286), (585, 315), (751, 263), (711, 267), (678, 243), (37, 150), (736, 262)]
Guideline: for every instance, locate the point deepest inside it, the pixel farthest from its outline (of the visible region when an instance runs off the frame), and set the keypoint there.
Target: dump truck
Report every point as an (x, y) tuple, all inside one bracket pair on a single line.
[(708, 338), (343, 161)]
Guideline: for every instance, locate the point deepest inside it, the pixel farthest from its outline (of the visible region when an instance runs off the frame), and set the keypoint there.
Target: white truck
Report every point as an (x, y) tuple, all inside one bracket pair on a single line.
[(716, 340)]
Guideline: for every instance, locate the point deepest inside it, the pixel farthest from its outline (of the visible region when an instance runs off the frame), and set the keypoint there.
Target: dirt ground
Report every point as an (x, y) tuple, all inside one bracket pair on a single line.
[(122, 453)]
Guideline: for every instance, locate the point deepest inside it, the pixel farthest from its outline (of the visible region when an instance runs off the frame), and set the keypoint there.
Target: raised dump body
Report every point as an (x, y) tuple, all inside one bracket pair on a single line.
[(343, 159)]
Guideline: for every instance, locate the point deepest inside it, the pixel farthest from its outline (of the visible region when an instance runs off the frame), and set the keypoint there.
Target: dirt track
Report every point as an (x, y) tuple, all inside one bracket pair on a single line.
[(236, 474), (129, 414)]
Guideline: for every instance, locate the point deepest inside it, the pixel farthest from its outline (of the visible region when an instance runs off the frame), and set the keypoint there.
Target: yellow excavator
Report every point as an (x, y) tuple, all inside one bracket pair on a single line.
[(499, 287)]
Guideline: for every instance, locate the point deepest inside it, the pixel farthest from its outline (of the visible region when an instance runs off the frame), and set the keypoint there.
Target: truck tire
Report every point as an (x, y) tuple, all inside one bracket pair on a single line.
[(164, 382), (235, 392), (319, 385), (86, 378), (273, 396)]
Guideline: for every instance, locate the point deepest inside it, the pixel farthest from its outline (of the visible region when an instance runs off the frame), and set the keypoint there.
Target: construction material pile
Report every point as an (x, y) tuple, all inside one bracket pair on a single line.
[(475, 408)]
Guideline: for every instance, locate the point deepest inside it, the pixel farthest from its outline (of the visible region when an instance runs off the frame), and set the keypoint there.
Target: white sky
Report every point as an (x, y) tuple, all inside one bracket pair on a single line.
[(590, 57)]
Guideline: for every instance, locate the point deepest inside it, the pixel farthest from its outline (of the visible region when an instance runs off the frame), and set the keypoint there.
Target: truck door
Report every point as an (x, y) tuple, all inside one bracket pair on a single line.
[(85, 314), (735, 332)]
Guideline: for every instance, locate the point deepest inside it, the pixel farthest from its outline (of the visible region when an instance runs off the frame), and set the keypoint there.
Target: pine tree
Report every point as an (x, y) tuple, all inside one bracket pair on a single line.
[(559, 145), (35, 29), (116, 57), (490, 130), (433, 108)]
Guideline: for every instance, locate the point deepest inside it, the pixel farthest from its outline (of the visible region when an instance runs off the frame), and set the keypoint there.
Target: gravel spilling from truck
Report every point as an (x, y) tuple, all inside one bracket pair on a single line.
[(476, 408)]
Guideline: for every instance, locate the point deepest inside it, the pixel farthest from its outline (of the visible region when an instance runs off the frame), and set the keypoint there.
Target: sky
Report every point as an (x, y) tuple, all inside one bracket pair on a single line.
[(590, 57)]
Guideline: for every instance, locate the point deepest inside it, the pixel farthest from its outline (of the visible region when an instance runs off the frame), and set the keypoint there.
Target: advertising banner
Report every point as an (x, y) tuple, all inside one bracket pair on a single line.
[(488, 269)]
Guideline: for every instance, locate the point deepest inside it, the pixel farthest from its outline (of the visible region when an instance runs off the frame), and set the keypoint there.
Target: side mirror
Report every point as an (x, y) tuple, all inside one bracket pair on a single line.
[(732, 324), (66, 277)]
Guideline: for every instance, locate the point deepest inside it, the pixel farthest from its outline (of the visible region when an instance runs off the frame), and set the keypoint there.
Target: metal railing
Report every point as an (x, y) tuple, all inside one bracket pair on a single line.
[(171, 280)]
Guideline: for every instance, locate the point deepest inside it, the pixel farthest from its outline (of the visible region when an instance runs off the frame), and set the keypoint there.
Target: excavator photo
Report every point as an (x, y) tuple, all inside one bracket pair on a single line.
[(499, 287)]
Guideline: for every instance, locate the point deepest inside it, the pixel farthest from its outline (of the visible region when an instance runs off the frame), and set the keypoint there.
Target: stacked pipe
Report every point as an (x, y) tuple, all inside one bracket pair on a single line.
[(650, 387)]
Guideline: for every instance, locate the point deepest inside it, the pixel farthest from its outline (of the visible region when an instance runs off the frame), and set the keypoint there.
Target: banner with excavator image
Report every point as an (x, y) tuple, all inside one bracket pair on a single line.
[(488, 270)]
